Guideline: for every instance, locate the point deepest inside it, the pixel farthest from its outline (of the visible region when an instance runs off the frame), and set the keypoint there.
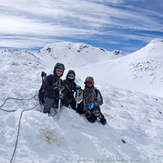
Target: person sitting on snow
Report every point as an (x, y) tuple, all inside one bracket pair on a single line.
[(92, 100), (51, 86), (71, 88)]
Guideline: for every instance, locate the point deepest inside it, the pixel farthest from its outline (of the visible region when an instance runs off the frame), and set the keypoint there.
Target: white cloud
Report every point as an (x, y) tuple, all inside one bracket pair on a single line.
[(106, 1), (72, 18), (24, 42), (20, 43), (76, 11), (20, 25)]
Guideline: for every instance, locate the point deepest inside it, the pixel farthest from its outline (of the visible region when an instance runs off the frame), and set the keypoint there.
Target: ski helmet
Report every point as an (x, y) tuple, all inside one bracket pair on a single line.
[(58, 66), (71, 73)]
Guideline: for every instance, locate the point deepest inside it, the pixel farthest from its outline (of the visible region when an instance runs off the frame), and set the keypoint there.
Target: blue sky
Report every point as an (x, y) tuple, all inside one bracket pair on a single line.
[(127, 25)]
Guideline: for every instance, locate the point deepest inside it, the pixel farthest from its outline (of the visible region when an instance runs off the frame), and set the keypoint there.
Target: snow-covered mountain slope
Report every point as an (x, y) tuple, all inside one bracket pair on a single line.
[(19, 72), (140, 71), (75, 54), (133, 132)]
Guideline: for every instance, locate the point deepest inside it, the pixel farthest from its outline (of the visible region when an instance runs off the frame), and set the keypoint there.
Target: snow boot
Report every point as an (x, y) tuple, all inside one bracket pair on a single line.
[(103, 121)]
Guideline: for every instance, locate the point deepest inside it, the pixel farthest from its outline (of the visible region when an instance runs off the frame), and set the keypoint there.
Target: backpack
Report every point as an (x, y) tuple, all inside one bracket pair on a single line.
[(41, 94)]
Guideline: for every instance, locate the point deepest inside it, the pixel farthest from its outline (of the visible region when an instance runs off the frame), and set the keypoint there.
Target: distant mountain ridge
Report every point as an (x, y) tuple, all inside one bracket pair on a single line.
[(77, 54)]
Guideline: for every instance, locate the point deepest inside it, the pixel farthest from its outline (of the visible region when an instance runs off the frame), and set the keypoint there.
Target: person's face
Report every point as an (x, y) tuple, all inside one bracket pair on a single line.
[(59, 72), (89, 83), (71, 76)]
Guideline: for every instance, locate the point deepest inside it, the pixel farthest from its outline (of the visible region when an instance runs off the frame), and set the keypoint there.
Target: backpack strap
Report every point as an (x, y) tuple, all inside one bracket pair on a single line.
[(100, 100), (96, 91)]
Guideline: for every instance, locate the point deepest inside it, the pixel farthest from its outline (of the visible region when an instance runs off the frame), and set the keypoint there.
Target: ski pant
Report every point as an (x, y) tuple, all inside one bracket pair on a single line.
[(94, 114), (49, 103), (71, 102), (80, 108)]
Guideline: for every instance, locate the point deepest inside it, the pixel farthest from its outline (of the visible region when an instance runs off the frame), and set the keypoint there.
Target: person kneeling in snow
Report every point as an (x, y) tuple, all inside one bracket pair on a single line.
[(92, 99), (51, 86), (71, 88)]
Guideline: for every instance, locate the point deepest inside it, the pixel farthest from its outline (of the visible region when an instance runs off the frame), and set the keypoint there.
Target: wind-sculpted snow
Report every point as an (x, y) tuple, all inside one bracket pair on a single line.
[(143, 68)]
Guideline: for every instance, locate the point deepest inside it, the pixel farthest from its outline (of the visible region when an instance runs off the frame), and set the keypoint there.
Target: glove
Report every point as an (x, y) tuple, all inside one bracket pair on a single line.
[(92, 105), (43, 74), (57, 88), (78, 89)]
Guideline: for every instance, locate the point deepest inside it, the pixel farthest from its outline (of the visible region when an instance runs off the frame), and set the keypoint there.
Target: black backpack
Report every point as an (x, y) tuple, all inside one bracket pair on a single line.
[(41, 94)]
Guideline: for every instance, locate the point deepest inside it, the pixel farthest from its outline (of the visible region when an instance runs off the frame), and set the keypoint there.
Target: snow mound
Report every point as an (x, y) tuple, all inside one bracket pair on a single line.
[(132, 134)]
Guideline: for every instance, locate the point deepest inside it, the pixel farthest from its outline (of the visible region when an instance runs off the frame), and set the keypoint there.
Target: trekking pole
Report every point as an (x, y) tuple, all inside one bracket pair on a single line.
[(59, 102), (77, 95), (77, 98), (40, 94)]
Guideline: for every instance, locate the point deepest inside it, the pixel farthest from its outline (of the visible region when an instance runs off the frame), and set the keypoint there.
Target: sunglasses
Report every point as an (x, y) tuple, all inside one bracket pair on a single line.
[(71, 76)]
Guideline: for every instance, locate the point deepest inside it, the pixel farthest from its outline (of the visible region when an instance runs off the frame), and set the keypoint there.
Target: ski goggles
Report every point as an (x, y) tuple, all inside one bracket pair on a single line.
[(71, 76), (88, 82)]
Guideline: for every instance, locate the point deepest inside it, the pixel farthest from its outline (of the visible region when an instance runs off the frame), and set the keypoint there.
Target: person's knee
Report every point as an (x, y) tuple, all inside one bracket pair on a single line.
[(46, 110), (47, 105)]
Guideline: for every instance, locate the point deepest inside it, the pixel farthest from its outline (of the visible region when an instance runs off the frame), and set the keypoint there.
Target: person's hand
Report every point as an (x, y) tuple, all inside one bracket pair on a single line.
[(55, 88), (78, 89), (92, 105)]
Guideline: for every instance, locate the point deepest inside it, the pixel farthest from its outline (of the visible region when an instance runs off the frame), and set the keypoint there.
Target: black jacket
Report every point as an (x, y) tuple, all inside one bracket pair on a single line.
[(69, 89), (52, 85)]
